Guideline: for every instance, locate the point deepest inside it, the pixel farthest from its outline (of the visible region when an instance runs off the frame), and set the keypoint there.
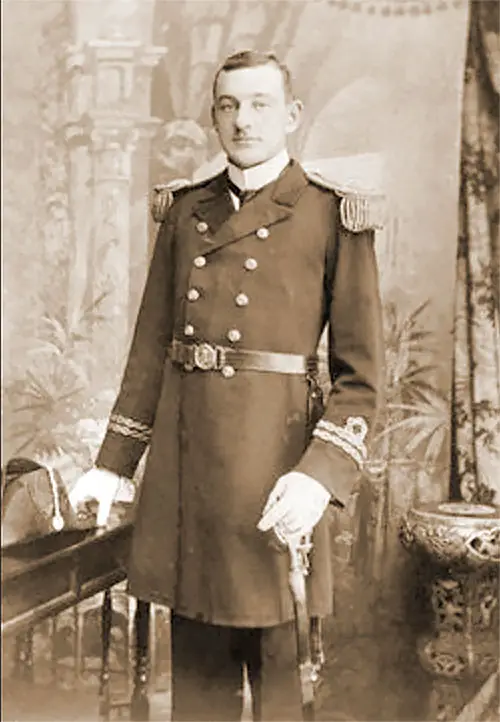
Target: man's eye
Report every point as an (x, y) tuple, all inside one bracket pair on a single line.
[(226, 107), (260, 105)]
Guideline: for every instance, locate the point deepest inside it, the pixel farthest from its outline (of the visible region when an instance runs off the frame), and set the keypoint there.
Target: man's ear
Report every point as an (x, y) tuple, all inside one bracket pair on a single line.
[(295, 109), (213, 116)]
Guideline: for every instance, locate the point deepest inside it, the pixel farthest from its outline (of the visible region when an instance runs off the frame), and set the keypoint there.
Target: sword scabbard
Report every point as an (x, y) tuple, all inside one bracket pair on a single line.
[(299, 568)]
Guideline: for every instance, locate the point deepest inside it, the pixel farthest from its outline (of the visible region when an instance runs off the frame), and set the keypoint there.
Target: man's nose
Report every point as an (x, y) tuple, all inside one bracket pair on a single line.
[(243, 117)]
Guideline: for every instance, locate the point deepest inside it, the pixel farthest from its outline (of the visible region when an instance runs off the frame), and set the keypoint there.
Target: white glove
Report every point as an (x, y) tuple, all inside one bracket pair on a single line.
[(97, 484), (294, 506)]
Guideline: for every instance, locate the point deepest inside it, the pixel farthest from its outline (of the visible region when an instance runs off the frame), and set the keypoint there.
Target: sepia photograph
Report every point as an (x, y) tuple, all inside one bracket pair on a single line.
[(250, 361)]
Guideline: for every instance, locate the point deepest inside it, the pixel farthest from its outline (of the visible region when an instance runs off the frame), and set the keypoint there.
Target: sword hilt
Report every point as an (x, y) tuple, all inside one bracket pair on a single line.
[(299, 548)]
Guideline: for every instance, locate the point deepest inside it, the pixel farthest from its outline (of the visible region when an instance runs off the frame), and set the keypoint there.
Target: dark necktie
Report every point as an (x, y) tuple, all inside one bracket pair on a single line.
[(243, 196)]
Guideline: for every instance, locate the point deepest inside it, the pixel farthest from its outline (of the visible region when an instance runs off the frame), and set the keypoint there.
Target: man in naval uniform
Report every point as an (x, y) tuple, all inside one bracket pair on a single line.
[(218, 384)]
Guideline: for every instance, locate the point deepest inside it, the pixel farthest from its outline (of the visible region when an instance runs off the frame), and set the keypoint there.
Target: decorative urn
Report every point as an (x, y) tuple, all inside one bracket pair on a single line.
[(454, 534), (457, 546)]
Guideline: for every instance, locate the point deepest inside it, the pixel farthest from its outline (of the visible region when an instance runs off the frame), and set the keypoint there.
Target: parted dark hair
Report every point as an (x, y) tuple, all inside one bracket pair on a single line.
[(253, 59)]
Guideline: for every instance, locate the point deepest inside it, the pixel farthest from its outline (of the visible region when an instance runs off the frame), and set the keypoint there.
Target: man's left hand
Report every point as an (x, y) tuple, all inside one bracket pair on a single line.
[(294, 506)]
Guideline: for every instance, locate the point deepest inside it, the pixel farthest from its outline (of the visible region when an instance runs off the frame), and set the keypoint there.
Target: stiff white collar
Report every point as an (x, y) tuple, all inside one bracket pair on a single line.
[(255, 178)]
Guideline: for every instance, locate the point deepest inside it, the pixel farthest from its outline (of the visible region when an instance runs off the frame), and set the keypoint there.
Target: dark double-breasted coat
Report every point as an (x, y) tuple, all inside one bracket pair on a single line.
[(254, 279)]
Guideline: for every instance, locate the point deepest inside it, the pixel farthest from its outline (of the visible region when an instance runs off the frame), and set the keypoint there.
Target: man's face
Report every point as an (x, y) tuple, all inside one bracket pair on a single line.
[(252, 114)]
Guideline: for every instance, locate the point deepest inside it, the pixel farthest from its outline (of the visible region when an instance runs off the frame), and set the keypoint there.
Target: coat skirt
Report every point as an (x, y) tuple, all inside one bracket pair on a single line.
[(254, 279)]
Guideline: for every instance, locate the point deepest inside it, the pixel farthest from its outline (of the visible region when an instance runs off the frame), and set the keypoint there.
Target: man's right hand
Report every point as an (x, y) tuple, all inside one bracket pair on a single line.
[(97, 484)]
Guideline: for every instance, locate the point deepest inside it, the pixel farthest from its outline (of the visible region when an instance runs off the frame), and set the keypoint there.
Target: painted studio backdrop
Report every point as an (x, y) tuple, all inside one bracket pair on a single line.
[(104, 99)]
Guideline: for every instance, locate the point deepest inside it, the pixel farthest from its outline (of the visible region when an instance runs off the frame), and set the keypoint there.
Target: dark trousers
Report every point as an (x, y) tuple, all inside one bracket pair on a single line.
[(207, 672)]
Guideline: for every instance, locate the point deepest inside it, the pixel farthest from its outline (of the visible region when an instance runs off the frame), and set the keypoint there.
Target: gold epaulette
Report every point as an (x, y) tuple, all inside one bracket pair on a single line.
[(163, 198), (360, 210)]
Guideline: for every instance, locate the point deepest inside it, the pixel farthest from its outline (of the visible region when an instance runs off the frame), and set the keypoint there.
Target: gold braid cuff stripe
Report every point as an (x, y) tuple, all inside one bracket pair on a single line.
[(130, 427), (350, 437)]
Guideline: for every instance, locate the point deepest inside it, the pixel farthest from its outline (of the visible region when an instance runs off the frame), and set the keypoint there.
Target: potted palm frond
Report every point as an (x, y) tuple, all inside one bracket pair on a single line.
[(409, 447), (408, 451), (413, 425), (51, 412)]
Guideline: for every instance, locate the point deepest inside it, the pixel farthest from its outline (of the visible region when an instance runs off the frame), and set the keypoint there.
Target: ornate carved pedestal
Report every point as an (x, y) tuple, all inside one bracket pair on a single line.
[(458, 546)]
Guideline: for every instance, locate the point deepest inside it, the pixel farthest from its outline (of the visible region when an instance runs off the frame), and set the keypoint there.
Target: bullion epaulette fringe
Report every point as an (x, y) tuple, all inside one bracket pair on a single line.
[(360, 210), (163, 197), (132, 428)]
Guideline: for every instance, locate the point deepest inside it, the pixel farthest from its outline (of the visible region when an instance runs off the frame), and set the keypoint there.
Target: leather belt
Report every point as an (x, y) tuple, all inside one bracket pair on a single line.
[(210, 357)]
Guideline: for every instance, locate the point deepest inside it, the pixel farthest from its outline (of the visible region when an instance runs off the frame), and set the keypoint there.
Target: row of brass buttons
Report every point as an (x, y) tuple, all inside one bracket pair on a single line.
[(241, 300), (250, 263), (233, 335), (262, 232)]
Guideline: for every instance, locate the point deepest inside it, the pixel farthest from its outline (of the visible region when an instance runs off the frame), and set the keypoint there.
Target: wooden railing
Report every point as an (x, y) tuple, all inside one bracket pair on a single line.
[(46, 576)]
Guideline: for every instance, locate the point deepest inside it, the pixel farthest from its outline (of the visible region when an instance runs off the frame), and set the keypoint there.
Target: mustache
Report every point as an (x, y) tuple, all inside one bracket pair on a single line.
[(242, 136)]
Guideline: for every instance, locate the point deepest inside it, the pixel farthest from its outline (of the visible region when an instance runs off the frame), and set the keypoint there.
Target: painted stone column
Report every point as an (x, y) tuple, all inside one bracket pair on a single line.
[(109, 130)]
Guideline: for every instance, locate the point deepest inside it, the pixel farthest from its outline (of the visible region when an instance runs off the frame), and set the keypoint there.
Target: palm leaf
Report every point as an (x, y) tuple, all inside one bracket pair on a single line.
[(415, 337), (413, 424), (33, 405), (415, 370), (54, 332), (25, 445), (424, 433), (436, 444)]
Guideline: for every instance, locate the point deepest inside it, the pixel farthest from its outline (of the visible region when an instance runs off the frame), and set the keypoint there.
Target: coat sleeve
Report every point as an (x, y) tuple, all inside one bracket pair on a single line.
[(338, 446), (131, 421)]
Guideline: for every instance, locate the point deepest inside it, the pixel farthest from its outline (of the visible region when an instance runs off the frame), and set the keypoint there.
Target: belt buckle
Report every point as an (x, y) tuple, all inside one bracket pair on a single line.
[(205, 357)]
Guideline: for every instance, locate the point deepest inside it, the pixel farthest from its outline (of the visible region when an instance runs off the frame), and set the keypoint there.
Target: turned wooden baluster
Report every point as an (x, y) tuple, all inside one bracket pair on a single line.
[(104, 690), (53, 648), (24, 669), (139, 707)]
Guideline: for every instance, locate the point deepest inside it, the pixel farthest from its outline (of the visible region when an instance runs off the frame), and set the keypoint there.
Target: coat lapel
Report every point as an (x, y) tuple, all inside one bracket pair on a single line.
[(213, 207), (271, 205)]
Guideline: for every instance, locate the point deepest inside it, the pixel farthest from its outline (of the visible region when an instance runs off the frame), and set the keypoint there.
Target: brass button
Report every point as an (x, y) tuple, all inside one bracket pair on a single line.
[(251, 264), (188, 330), (228, 371), (193, 294), (241, 299), (202, 227), (262, 233), (234, 335), (200, 261)]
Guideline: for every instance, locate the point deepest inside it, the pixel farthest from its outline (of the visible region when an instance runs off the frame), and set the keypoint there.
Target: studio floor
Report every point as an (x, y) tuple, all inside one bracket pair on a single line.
[(367, 678)]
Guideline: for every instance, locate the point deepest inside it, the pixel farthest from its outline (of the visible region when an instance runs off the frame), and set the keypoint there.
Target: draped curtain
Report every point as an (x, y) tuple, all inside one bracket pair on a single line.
[(476, 369)]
